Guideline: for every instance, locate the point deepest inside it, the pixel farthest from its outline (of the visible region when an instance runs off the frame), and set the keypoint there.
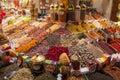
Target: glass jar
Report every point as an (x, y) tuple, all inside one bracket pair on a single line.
[(77, 13), (62, 13)]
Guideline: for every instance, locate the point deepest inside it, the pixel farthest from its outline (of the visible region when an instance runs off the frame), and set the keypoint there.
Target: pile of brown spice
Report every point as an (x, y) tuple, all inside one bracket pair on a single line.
[(45, 76), (23, 74)]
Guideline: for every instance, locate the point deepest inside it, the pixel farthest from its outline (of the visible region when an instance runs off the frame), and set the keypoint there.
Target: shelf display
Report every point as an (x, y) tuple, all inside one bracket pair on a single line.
[(68, 41)]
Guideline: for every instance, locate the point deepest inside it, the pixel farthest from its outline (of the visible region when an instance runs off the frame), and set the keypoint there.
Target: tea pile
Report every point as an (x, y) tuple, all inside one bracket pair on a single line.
[(45, 76), (53, 39), (23, 74)]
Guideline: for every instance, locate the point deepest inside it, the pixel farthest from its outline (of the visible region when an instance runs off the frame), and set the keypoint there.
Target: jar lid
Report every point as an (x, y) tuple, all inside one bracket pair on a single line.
[(40, 58)]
